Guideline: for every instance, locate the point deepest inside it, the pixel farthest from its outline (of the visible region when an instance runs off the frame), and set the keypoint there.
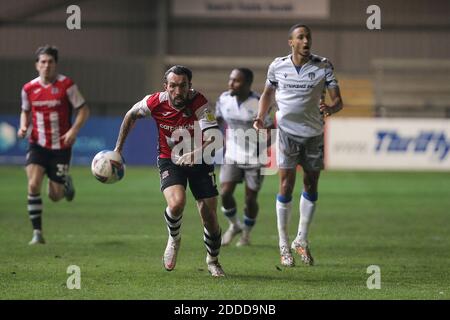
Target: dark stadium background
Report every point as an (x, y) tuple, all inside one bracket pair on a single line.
[(382, 215)]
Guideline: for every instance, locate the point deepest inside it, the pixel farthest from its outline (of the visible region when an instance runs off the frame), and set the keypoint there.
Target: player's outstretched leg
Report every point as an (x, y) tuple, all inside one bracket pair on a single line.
[(212, 243), (69, 189), (174, 240)]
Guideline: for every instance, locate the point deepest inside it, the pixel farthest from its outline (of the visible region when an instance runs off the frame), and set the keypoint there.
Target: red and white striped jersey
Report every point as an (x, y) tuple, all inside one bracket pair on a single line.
[(169, 119), (51, 108)]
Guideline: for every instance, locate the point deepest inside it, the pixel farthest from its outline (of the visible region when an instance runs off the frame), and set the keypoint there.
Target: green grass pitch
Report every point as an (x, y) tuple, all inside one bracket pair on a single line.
[(116, 235)]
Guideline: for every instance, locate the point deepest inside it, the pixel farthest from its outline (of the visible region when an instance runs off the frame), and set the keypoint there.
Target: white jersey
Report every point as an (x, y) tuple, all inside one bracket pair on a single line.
[(298, 93), (239, 118)]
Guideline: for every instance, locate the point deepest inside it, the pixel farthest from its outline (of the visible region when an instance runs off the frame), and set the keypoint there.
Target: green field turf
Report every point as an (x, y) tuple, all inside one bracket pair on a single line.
[(116, 234)]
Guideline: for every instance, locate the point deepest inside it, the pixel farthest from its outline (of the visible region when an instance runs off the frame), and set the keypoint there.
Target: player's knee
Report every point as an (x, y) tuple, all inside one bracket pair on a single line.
[(177, 207), (33, 187), (226, 195), (226, 191)]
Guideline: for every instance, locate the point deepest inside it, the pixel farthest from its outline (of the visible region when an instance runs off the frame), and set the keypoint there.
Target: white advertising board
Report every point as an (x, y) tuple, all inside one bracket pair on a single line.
[(397, 144)]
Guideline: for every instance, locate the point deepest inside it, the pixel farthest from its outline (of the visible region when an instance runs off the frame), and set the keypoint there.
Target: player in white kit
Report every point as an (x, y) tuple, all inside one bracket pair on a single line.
[(298, 82), (237, 107)]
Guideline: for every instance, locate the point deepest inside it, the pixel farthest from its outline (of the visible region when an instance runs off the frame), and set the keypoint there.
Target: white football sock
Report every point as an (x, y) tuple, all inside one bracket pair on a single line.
[(307, 209), (283, 219)]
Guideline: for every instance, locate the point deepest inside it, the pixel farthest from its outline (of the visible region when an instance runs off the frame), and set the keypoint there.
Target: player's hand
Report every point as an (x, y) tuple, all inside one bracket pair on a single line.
[(258, 124), (186, 159), (22, 132), (69, 137), (325, 109)]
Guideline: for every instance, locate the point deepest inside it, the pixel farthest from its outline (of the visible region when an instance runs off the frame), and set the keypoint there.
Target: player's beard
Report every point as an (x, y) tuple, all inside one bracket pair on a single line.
[(179, 102), (234, 92)]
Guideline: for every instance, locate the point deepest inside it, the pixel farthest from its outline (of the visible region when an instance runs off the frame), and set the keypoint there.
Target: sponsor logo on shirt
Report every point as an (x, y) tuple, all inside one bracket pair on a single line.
[(48, 103), (173, 128), (297, 86)]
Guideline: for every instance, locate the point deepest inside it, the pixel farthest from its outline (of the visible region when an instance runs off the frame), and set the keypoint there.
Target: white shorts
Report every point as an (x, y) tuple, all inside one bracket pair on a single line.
[(234, 173), (306, 151)]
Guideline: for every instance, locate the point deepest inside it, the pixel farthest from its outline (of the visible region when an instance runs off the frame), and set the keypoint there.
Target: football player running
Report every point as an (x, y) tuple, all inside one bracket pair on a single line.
[(179, 107), (236, 109), (47, 105)]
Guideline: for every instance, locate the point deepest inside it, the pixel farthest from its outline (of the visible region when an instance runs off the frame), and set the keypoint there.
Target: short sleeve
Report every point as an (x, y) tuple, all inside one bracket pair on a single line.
[(75, 96), (25, 101), (330, 79), (141, 108), (271, 78)]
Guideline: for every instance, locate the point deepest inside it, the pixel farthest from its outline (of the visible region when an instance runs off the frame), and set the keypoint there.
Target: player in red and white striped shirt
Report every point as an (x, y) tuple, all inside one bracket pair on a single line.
[(47, 105), (180, 108)]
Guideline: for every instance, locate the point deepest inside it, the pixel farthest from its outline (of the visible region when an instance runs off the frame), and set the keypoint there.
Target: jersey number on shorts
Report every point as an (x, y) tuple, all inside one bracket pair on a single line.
[(213, 178), (62, 169)]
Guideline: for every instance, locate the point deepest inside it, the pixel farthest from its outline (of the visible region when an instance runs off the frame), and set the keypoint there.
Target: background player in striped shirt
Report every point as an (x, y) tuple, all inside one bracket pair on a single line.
[(180, 109), (47, 105), (298, 82), (236, 109)]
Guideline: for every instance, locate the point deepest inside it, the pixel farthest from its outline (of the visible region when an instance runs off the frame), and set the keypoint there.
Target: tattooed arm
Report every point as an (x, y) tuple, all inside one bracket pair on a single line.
[(127, 124)]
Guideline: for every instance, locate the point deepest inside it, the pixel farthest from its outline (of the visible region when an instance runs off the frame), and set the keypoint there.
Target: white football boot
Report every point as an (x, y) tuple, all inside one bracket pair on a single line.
[(37, 238), (170, 254), (232, 231), (214, 267), (245, 239)]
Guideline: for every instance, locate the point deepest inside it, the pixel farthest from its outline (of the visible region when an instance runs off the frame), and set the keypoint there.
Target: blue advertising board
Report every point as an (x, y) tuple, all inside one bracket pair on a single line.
[(99, 133)]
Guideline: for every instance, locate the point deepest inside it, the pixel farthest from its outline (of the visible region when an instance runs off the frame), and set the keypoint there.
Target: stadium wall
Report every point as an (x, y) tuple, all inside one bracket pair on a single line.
[(123, 29)]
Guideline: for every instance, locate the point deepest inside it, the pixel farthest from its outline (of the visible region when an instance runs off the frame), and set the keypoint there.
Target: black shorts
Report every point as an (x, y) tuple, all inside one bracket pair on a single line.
[(201, 178), (55, 162)]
